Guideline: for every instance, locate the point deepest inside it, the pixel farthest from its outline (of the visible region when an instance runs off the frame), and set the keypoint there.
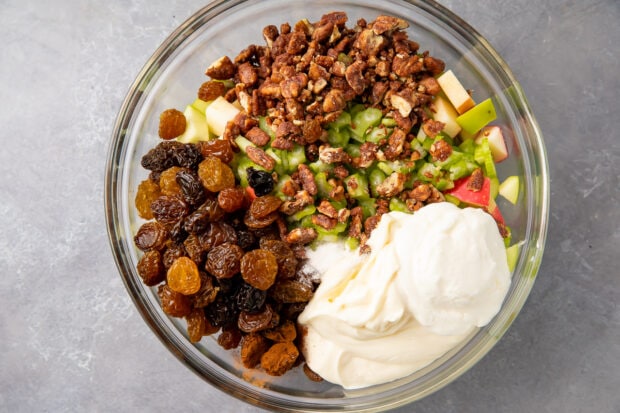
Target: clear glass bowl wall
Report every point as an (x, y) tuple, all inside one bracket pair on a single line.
[(171, 78)]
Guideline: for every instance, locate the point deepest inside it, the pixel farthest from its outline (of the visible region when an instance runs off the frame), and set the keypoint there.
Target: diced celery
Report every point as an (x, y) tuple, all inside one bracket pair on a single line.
[(417, 146), (461, 169), (356, 108), (428, 172), (309, 210), (353, 150), (375, 178), (276, 157), (397, 205), (323, 187), (296, 156), (443, 183), (357, 186), (369, 207), (243, 143), (343, 121), (389, 122), (467, 146), (338, 204), (352, 243), (345, 58), (320, 166), (330, 234), (262, 123), (377, 133), (483, 155), (338, 138), (365, 119), (494, 187), (386, 167)]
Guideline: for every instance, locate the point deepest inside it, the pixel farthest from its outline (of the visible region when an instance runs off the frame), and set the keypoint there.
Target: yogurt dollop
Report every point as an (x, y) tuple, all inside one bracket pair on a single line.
[(431, 278)]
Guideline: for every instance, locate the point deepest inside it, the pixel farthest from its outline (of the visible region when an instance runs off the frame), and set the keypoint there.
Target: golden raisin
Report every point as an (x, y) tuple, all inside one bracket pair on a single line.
[(210, 90), (259, 268), (231, 199), (253, 346), (183, 276), (148, 191), (196, 324), (283, 333), (168, 183), (279, 358), (172, 123), (220, 148), (215, 175), (264, 205)]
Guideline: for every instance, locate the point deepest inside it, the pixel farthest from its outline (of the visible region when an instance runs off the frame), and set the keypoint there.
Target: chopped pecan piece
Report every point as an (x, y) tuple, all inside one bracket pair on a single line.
[(322, 32), (326, 208), (378, 92), (340, 171), (440, 150), (334, 101), (297, 43), (328, 154), (323, 221), (355, 76), (420, 193), (392, 185), (302, 200), (432, 127), (434, 65), (430, 85), (282, 143), (222, 69), (270, 33), (395, 144), (368, 153), (259, 157), (404, 65), (369, 43), (307, 179), (338, 18), (257, 136), (292, 87), (436, 196), (371, 223), (316, 72), (343, 215), (301, 236), (270, 89), (355, 226), (476, 180), (384, 24), (248, 74)]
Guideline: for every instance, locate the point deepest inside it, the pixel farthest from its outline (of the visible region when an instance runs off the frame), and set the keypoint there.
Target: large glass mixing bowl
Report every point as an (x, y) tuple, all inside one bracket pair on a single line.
[(170, 79)]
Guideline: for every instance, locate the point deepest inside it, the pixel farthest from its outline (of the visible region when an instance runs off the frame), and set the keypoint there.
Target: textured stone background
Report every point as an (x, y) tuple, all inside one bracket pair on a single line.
[(70, 337)]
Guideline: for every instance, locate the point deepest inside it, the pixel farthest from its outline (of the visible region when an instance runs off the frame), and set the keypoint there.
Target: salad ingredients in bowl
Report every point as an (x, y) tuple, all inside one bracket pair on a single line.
[(319, 227)]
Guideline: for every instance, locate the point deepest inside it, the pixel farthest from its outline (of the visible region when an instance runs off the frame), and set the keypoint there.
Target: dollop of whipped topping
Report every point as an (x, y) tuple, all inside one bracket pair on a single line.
[(431, 279)]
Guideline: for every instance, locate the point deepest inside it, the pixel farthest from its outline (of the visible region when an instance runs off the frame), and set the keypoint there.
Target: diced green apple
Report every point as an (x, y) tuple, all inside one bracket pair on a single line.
[(479, 198), (512, 255), (196, 129), (456, 93), (218, 113), (200, 105), (444, 112), (497, 144), (477, 117), (509, 189)]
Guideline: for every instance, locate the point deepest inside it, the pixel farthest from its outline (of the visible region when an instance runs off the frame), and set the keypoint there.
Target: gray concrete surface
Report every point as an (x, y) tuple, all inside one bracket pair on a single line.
[(70, 337)]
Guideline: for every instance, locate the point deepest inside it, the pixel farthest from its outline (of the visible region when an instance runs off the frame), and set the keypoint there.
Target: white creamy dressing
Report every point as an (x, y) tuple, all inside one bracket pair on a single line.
[(431, 278)]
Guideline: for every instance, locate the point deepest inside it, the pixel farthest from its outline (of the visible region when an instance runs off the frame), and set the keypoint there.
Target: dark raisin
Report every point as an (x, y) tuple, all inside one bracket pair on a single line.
[(224, 261), (172, 253), (252, 322), (162, 156), (291, 291), (229, 285), (178, 233), (169, 209), (222, 311), (196, 325), (207, 293), (230, 337), (189, 157), (260, 181), (192, 190), (151, 268), (173, 303), (197, 222), (220, 148), (250, 299), (151, 235), (216, 234), (257, 223), (287, 263), (246, 240), (194, 249)]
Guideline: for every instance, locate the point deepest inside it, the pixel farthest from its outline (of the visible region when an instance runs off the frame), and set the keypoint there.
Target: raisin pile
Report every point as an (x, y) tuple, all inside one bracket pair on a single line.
[(216, 253)]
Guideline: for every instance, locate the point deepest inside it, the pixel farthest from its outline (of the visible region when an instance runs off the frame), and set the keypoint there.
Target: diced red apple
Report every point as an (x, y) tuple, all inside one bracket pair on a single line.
[(479, 198), (497, 144), (495, 212), (456, 93)]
